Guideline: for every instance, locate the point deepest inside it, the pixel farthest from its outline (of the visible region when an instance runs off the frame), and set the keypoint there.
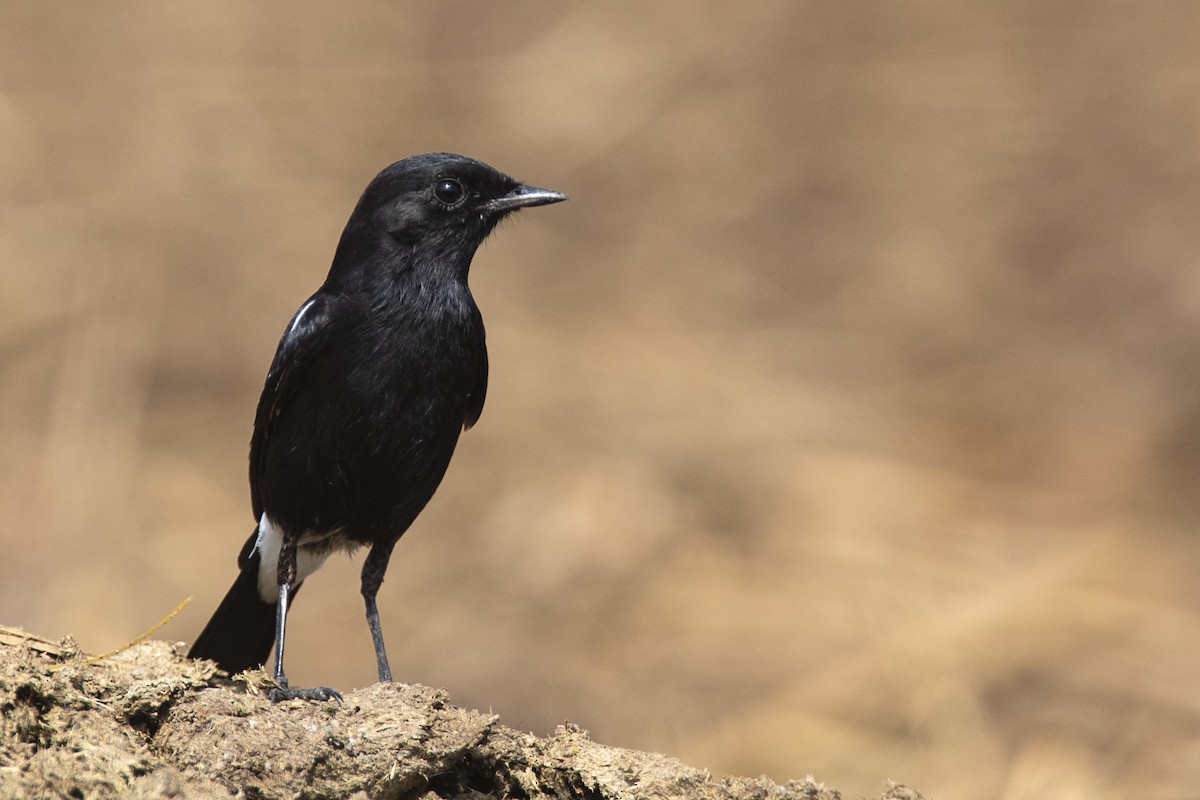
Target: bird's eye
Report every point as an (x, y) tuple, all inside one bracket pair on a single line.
[(449, 191)]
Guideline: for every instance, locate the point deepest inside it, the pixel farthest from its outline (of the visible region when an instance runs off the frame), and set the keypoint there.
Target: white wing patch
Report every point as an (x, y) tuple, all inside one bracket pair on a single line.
[(300, 316)]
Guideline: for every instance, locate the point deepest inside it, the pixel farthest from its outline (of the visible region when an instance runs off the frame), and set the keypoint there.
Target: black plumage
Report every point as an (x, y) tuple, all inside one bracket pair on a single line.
[(372, 383)]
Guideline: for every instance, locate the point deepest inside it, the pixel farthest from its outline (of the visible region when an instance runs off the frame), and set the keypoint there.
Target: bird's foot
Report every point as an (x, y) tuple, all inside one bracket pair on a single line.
[(319, 693)]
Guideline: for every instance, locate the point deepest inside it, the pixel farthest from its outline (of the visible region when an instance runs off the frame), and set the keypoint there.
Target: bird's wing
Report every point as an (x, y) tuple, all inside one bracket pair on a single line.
[(306, 333)]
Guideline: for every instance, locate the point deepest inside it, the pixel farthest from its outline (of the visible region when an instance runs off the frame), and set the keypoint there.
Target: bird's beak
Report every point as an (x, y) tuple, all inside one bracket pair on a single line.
[(523, 196)]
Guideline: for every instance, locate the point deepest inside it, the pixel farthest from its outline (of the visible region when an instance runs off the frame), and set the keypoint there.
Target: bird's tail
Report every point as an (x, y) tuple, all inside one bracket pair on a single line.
[(242, 629)]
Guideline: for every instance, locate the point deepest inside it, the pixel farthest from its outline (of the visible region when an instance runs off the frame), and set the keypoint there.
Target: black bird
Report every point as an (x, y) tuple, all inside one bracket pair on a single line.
[(374, 379)]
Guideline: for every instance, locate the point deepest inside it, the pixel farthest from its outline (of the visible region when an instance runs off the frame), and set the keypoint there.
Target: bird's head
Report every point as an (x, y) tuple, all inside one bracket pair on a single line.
[(430, 212)]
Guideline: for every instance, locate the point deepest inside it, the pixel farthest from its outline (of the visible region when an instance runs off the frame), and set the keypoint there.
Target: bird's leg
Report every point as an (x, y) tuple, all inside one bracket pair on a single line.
[(372, 578), (281, 609), (287, 579)]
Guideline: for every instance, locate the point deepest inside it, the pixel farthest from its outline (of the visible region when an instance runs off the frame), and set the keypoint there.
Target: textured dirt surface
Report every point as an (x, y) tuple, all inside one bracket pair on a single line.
[(147, 723)]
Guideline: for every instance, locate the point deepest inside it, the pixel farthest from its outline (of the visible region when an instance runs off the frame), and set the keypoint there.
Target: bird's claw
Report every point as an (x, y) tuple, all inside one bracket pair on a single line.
[(319, 693)]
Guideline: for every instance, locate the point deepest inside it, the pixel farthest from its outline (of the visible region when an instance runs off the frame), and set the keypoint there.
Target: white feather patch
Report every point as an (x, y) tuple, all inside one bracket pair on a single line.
[(299, 316), (270, 539)]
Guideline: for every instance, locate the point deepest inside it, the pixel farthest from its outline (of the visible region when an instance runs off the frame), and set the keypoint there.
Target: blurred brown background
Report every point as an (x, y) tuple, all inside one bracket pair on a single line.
[(844, 422)]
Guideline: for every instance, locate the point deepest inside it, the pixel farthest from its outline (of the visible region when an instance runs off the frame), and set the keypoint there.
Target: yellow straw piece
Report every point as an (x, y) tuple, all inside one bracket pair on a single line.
[(123, 648)]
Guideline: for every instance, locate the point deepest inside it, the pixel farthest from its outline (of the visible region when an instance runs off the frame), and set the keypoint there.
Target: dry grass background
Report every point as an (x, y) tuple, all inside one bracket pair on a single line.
[(844, 422)]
